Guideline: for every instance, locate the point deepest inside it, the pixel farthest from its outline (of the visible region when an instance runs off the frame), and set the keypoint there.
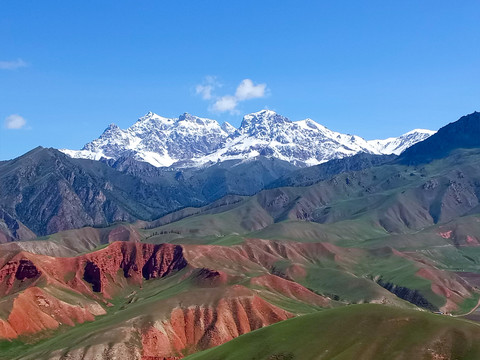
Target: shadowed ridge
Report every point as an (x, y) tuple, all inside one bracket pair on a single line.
[(463, 133)]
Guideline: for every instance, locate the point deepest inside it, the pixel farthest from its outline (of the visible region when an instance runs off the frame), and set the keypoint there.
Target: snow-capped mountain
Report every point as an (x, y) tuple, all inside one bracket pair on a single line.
[(157, 140), (194, 141)]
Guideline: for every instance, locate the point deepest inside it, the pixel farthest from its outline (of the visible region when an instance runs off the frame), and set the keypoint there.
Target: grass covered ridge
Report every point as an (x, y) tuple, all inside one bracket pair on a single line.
[(355, 332)]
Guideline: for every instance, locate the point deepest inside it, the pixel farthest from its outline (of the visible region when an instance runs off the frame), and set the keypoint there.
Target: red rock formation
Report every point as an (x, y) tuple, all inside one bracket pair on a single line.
[(35, 309), (200, 327), (136, 261), (18, 273)]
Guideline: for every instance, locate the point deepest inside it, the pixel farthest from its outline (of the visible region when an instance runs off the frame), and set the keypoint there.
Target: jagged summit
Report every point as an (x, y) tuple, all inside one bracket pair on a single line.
[(263, 123), (190, 140)]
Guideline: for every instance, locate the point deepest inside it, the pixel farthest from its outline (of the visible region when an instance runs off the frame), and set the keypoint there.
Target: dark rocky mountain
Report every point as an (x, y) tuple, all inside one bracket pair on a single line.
[(47, 191), (463, 133)]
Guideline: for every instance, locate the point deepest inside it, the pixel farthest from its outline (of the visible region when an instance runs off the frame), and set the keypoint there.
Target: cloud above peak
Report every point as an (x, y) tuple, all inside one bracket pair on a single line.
[(15, 122), (225, 103), (12, 65), (246, 90)]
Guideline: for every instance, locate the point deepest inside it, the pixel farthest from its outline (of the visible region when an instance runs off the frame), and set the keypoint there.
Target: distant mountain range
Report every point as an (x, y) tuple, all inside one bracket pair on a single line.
[(190, 141), (46, 191)]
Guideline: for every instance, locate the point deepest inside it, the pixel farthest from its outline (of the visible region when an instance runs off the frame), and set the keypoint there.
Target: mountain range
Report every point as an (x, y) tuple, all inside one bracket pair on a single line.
[(191, 141), (45, 191)]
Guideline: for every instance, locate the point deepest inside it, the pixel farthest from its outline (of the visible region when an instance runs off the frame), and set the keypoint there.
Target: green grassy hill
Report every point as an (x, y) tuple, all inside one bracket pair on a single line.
[(360, 332)]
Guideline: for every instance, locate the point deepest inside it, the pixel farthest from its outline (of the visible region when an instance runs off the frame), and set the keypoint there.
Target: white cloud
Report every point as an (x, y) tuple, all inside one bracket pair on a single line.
[(12, 65), (247, 90), (209, 85), (225, 103), (15, 121)]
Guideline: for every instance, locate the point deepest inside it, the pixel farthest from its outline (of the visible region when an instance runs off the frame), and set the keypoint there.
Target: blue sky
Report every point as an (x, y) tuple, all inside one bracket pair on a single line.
[(372, 68)]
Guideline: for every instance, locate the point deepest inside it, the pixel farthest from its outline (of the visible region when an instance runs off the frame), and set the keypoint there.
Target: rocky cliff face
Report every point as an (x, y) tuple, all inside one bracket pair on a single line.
[(49, 193), (137, 262)]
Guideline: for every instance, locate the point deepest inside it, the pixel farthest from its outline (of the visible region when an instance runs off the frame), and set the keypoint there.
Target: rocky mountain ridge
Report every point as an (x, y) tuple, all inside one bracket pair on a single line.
[(191, 141)]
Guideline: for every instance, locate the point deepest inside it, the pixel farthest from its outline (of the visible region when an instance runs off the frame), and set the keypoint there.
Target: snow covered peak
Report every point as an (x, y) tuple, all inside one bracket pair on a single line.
[(150, 116), (158, 140), (112, 130), (195, 121), (399, 144), (263, 116), (191, 140), (263, 124), (310, 124)]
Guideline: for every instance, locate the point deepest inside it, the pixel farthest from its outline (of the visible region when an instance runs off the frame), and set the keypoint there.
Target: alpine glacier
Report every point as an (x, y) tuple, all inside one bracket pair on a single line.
[(193, 141)]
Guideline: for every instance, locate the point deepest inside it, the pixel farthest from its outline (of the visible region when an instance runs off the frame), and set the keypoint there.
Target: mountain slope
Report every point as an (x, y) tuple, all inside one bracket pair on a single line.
[(463, 133), (310, 175), (193, 141)]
